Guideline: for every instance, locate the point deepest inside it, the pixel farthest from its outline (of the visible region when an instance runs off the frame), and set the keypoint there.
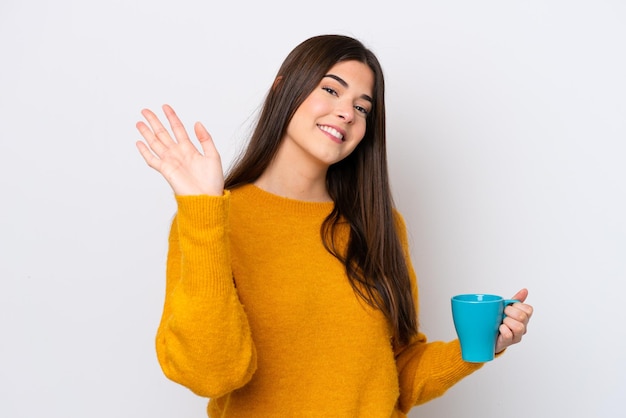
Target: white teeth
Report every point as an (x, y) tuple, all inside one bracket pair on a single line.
[(332, 131)]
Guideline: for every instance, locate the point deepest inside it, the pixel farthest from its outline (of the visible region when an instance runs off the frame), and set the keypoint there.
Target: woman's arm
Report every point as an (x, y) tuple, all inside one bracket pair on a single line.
[(203, 341), (426, 370)]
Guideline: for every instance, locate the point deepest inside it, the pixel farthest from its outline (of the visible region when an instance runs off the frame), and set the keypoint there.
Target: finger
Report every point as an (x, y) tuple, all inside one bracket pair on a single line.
[(515, 328), (177, 126), (506, 334), (157, 127), (521, 295), (518, 312), (148, 156), (153, 142), (206, 140), (505, 338), (522, 310)]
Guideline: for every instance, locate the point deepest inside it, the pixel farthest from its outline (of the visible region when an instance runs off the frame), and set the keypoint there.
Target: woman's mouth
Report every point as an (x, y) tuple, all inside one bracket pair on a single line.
[(332, 132)]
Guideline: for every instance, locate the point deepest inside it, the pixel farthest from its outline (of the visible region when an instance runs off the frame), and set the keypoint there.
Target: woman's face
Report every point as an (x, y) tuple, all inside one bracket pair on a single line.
[(331, 121)]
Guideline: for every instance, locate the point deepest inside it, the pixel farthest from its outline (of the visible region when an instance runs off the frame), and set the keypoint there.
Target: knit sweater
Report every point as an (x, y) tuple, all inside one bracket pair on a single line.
[(261, 318)]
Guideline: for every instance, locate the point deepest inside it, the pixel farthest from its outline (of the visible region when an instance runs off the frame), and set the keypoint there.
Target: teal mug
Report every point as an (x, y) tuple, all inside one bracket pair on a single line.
[(477, 318)]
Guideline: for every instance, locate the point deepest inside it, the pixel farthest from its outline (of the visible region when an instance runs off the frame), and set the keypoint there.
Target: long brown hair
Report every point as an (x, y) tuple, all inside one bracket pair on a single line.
[(359, 184)]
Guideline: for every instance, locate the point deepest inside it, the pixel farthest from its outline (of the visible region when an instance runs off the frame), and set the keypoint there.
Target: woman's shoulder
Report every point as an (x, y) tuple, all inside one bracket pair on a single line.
[(398, 219)]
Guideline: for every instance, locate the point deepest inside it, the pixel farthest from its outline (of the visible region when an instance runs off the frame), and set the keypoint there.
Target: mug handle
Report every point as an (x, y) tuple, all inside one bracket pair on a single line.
[(508, 302)]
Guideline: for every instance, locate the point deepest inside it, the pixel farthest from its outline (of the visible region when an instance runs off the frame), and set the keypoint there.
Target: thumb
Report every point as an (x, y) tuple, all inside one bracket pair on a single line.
[(521, 295), (206, 141)]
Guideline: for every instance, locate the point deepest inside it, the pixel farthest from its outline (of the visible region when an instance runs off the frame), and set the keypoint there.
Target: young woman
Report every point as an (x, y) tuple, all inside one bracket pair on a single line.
[(290, 292)]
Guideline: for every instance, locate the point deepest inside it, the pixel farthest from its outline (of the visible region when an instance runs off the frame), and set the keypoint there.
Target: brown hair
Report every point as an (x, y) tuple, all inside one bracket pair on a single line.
[(359, 184)]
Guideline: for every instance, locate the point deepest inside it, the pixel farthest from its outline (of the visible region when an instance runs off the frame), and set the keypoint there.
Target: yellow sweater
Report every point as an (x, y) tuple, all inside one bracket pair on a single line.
[(260, 318)]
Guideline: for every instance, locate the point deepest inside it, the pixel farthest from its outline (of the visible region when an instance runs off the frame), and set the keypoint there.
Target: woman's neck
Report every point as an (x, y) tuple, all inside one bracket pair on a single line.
[(294, 182)]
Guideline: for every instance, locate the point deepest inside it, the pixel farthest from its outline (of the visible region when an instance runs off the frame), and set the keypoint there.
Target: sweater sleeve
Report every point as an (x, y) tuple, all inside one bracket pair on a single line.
[(426, 370), (203, 341)]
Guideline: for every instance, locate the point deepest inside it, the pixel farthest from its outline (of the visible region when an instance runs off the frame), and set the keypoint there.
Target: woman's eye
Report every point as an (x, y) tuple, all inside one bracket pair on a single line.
[(330, 90), (361, 109)]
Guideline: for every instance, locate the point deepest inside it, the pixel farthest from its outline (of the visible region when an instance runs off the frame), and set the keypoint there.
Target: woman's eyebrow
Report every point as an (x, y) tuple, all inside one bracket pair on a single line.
[(346, 85)]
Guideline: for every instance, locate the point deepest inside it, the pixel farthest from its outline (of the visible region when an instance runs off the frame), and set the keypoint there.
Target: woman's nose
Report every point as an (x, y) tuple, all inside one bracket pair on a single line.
[(346, 112)]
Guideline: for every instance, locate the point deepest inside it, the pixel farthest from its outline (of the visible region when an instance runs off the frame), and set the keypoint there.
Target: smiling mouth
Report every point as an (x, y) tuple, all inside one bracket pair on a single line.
[(332, 131)]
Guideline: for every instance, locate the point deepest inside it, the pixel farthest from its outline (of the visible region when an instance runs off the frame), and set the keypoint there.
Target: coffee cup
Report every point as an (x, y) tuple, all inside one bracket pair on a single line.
[(477, 318)]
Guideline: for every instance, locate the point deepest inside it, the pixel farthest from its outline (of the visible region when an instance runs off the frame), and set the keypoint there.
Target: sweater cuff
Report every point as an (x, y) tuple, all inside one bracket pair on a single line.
[(204, 243), (463, 368), (203, 211)]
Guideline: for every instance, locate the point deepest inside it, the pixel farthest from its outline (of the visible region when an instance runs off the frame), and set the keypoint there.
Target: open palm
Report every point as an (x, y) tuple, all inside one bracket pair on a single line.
[(186, 169)]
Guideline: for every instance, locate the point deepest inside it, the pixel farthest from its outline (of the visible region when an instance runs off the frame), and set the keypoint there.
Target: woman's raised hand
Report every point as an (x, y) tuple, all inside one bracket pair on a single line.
[(187, 170)]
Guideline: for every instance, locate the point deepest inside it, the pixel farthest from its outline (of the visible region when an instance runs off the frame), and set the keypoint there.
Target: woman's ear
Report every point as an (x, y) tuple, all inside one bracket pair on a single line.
[(277, 81)]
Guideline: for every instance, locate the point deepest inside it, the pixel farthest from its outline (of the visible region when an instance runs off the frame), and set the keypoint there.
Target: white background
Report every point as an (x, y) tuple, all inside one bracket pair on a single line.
[(506, 146)]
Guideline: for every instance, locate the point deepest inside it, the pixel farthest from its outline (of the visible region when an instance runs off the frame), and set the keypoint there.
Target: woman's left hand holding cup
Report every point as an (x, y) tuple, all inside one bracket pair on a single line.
[(515, 323)]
